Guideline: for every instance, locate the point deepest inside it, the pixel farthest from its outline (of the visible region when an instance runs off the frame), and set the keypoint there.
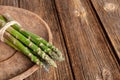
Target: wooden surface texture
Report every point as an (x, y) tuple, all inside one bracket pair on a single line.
[(86, 31)]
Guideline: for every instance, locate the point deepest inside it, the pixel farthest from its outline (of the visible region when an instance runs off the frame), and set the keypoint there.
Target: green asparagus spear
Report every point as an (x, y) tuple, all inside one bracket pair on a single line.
[(45, 64), (40, 42), (47, 47), (31, 45), (11, 44), (24, 49), (28, 43)]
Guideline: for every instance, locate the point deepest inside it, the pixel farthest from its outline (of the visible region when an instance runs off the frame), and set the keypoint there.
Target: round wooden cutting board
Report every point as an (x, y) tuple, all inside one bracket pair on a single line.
[(13, 64)]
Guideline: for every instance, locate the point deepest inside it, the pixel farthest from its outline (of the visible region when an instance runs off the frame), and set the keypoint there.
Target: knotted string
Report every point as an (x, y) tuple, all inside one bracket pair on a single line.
[(3, 29)]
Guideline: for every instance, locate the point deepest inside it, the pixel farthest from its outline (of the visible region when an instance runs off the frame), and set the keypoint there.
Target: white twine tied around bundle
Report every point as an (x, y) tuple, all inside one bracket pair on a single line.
[(3, 29)]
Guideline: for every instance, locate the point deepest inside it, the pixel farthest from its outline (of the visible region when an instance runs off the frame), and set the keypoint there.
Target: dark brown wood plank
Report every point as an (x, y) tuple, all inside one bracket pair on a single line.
[(90, 54), (45, 9), (109, 13), (9, 2)]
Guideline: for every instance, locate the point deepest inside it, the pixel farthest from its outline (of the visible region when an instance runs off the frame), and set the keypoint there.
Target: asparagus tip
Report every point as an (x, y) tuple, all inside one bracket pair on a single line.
[(56, 57), (54, 64), (61, 59)]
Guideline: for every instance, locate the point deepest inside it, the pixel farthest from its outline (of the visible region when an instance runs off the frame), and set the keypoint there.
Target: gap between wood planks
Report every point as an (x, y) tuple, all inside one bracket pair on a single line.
[(109, 14), (105, 35), (19, 3), (57, 13)]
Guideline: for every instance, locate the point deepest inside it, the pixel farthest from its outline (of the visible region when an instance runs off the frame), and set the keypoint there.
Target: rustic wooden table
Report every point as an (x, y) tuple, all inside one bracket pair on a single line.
[(86, 31)]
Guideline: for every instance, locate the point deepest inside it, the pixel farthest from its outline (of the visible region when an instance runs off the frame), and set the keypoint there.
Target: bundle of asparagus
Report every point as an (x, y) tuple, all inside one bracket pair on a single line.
[(35, 47)]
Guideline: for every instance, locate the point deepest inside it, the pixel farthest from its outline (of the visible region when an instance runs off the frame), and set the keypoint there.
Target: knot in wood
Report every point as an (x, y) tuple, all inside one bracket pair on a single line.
[(110, 7), (81, 13), (106, 74)]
